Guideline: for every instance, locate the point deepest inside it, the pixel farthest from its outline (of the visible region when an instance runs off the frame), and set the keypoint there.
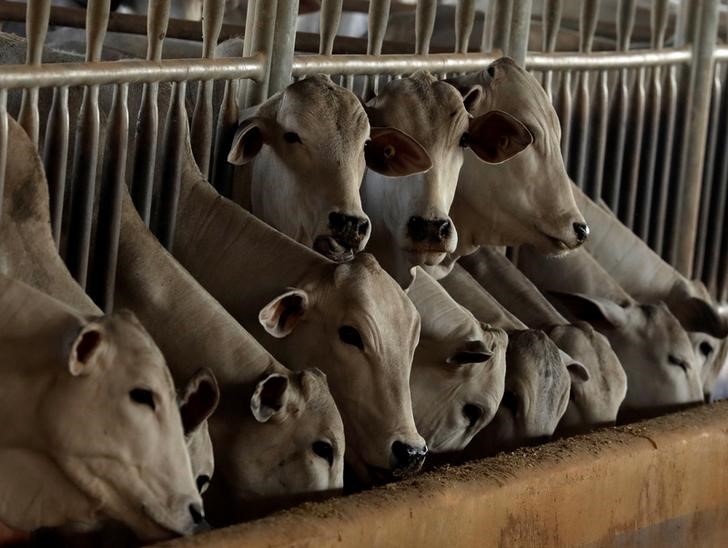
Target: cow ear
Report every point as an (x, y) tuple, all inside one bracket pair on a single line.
[(496, 136), (595, 310), (199, 400), (578, 373), (696, 314), (280, 316), (247, 142), (472, 98), (270, 398), (87, 349), (393, 153)]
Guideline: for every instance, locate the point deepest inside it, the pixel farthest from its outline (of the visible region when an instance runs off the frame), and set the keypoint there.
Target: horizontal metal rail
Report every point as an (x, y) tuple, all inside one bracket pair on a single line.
[(131, 72)]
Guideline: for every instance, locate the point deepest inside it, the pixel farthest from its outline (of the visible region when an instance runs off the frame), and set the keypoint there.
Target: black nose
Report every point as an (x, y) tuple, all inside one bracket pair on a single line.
[(407, 458), (348, 230), (582, 232), (198, 515), (472, 413), (431, 230)]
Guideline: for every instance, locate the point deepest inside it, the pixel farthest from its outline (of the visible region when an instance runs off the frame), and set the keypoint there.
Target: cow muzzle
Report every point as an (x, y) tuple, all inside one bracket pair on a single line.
[(429, 231), (349, 231), (407, 459)]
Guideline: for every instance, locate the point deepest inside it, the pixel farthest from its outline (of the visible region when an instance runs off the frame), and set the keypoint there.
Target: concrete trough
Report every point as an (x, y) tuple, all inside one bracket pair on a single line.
[(662, 482)]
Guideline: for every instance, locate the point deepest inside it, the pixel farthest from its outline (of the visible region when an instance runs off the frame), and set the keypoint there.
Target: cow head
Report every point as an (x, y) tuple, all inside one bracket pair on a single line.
[(527, 200), (458, 369), (412, 212), (311, 143), (116, 397), (598, 389), (359, 327), (652, 346), (298, 449), (535, 398)]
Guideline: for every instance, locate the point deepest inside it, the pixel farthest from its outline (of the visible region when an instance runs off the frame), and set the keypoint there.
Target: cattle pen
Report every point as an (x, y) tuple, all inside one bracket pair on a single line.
[(642, 96)]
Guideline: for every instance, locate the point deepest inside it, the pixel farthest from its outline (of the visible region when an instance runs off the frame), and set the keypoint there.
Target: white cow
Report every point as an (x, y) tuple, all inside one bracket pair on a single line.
[(351, 320), (458, 369), (92, 426), (309, 145), (527, 200), (410, 214), (594, 401), (652, 346)]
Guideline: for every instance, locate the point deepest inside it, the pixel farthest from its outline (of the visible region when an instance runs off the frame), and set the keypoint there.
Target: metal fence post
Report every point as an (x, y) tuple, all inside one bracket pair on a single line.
[(702, 34), (261, 41), (283, 46), (520, 30)]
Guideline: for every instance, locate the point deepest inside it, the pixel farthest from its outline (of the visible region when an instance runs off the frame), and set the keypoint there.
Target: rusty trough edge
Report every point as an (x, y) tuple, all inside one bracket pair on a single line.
[(660, 482)]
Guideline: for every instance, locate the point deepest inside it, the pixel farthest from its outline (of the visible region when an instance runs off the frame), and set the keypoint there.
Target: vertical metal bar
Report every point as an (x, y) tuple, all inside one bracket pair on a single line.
[(619, 115), (201, 132), (243, 85), (464, 20), (552, 10), (330, 18), (377, 28), (520, 29), (226, 125), (424, 25), (703, 35), (86, 151), (598, 147), (36, 26), (659, 18), (262, 42), (634, 149), (283, 45), (3, 145), (147, 127), (175, 132), (565, 108), (580, 131), (502, 25), (55, 157), (113, 180), (486, 40)]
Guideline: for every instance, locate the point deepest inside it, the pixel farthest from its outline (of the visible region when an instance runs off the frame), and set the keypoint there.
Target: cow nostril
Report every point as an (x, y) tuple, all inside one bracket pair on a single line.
[(582, 232), (445, 229), (337, 220), (473, 413), (196, 512), (417, 228), (406, 456), (363, 227)]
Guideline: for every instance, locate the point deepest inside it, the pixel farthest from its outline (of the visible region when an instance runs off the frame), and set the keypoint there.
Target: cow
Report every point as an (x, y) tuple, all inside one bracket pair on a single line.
[(528, 199), (92, 428), (648, 278), (458, 369), (410, 214), (350, 319), (594, 401), (308, 146), (652, 346), (538, 374)]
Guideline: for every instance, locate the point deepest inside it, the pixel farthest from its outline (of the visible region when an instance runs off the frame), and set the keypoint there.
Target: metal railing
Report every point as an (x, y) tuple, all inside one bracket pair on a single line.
[(643, 128)]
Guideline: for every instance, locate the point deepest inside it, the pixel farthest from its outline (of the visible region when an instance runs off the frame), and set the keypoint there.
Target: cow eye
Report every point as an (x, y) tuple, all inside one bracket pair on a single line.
[(491, 71), (203, 482), (349, 335), (472, 412), (324, 450), (465, 140), (291, 137), (510, 402), (682, 364), (143, 396), (706, 349)]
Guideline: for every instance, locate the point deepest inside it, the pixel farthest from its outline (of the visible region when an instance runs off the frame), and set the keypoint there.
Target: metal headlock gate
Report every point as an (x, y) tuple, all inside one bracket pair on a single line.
[(644, 119)]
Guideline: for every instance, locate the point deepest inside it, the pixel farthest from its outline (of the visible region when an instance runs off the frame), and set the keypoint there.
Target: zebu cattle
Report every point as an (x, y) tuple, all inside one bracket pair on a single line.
[(646, 277), (290, 416), (351, 320), (537, 374), (309, 145), (527, 200), (652, 346), (92, 425), (594, 401), (410, 214), (458, 369)]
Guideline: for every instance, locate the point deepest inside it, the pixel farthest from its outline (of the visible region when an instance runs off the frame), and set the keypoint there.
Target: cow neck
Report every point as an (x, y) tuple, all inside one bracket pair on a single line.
[(27, 250), (241, 260), (469, 293), (440, 313), (191, 328), (638, 269), (512, 288)]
